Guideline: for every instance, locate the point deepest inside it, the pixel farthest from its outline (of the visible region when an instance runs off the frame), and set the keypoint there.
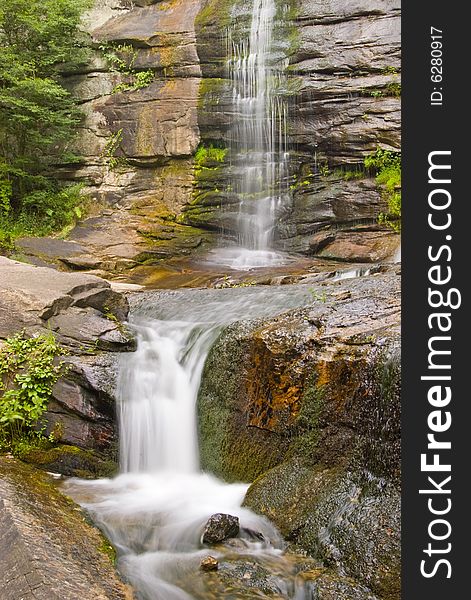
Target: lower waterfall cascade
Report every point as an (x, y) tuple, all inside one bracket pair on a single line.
[(155, 510)]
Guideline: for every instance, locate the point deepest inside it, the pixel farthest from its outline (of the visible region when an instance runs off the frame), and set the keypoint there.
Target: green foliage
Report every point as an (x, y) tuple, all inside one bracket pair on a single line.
[(28, 372), (43, 212), (121, 59), (375, 93), (349, 174), (389, 71), (317, 296), (111, 150), (217, 12), (39, 39), (324, 170), (228, 282), (209, 154), (393, 89), (387, 165)]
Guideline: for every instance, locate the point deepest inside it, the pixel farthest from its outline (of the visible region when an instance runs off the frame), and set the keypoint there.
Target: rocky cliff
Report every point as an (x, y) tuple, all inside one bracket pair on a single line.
[(140, 136)]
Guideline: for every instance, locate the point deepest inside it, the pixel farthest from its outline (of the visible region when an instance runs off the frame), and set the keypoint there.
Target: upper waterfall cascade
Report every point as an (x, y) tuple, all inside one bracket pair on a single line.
[(259, 147)]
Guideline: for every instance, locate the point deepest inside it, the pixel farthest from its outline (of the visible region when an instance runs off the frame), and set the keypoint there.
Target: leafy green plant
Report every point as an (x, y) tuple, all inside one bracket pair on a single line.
[(28, 371), (39, 41), (209, 154), (387, 165), (44, 212), (121, 59), (324, 170), (112, 147), (349, 174), (393, 89), (38, 116)]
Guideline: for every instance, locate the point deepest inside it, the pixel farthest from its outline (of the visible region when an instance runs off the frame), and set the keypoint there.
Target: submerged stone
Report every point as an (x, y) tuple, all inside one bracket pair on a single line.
[(209, 563)]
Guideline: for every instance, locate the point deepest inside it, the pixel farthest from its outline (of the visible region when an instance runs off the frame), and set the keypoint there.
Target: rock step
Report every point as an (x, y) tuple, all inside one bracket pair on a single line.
[(48, 551)]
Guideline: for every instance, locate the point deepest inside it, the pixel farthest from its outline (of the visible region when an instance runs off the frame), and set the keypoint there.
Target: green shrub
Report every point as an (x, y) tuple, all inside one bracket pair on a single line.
[(42, 213), (39, 41), (28, 371), (387, 165), (113, 152), (38, 115), (209, 154), (121, 59)]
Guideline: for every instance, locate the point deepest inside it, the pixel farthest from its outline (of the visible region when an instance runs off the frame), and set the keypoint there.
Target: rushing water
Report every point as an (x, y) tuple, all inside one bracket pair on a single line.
[(154, 512), (258, 138)]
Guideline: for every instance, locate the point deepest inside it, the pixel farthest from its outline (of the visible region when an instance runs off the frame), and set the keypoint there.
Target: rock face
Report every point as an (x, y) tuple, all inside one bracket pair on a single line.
[(151, 130), (220, 527), (86, 317), (138, 143), (308, 408), (47, 548), (344, 102)]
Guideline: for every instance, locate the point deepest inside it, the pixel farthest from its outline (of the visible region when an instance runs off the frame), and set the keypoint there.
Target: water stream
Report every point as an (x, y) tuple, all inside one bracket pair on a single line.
[(259, 146), (154, 512)]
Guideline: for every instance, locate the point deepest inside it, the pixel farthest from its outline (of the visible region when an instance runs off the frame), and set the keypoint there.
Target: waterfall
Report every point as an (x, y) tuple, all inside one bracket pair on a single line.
[(259, 147), (154, 512), (157, 393)]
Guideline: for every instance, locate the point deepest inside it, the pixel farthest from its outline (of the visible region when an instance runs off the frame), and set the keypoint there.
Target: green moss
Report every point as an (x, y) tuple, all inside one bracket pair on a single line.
[(210, 91), (230, 448), (68, 460), (393, 89), (307, 423), (107, 549), (294, 40), (350, 174), (215, 12), (389, 71)]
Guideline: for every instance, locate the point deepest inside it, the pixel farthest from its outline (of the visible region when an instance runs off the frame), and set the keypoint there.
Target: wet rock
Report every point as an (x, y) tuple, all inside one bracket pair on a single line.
[(83, 262), (344, 103), (220, 527), (330, 587), (158, 124), (85, 315), (70, 461), (209, 563), (351, 522), (47, 548), (33, 295), (309, 408), (299, 380)]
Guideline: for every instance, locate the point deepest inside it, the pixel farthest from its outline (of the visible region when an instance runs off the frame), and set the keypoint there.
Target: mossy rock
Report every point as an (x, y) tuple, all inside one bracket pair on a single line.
[(49, 541), (215, 12), (351, 524), (69, 460)]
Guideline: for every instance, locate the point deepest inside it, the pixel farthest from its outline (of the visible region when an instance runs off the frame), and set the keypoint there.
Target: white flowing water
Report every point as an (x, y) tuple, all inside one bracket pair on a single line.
[(154, 512), (397, 255), (259, 145)]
